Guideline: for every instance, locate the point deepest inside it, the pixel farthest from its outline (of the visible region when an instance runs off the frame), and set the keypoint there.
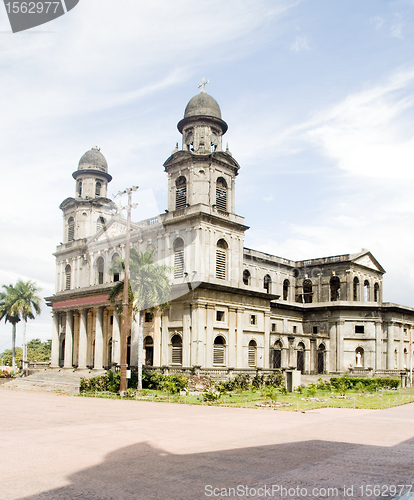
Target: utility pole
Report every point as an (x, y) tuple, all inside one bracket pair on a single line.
[(125, 302)]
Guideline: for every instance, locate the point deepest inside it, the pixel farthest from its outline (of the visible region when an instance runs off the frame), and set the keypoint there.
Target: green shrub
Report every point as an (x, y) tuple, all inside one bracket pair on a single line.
[(311, 390), (211, 395), (242, 381), (6, 374), (258, 381), (275, 379), (323, 385), (226, 385), (270, 392), (345, 383)]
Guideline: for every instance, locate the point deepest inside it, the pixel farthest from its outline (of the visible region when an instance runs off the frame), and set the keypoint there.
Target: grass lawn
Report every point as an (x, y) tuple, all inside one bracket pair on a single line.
[(262, 399)]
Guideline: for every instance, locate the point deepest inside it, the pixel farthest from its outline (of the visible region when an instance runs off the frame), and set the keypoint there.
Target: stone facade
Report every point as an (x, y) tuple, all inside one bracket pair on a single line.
[(233, 308)]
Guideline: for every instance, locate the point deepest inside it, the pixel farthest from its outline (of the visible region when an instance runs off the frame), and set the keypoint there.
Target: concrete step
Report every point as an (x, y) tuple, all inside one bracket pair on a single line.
[(51, 380)]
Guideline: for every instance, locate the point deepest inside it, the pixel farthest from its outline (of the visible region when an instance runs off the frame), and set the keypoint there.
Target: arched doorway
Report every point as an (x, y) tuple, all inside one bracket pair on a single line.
[(149, 350), (300, 357), (321, 359), (277, 354)]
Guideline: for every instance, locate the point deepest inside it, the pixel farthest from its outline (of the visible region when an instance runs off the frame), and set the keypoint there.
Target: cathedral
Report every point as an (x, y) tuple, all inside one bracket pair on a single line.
[(233, 309)]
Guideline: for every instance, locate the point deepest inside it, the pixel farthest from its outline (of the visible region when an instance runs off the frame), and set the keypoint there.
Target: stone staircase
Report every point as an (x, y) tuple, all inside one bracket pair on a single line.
[(51, 380)]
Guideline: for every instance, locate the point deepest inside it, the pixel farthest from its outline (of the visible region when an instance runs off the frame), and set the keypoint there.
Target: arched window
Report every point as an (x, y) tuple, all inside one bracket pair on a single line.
[(100, 223), (300, 357), (286, 285), (356, 288), (246, 277), (359, 356), (79, 188), (221, 194), (116, 267), (321, 358), (98, 186), (277, 354), (100, 264), (267, 282), (221, 259), (178, 258), (219, 351), (396, 359), (71, 229), (405, 358), (176, 350), (307, 291), (180, 192), (366, 290), (376, 292), (68, 274), (252, 356), (335, 286), (149, 350)]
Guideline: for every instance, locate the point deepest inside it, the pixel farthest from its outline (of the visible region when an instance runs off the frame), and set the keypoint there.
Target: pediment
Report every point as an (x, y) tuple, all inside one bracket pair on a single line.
[(369, 261), (113, 229)]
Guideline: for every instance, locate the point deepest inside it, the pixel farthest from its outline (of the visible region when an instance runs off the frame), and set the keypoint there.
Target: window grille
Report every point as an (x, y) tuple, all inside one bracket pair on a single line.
[(219, 349), (71, 229), (221, 264), (221, 194), (177, 350), (178, 258), (68, 272), (181, 193), (252, 353)]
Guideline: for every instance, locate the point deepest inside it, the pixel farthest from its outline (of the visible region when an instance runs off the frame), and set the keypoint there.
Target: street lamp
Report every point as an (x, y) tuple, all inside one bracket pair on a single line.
[(125, 302)]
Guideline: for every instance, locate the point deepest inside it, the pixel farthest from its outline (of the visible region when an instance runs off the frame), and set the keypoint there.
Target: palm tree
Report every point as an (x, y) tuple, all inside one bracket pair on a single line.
[(149, 289), (8, 313), (19, 302), (27, 305)]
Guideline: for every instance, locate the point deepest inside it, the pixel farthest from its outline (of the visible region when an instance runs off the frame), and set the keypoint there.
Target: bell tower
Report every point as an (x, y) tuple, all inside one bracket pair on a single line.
[(90, 209), (202, 173), (206, 234)]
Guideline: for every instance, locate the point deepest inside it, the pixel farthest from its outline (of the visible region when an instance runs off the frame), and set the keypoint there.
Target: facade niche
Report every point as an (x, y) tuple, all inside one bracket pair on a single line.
[(335, 286), (321, 358), (366, 291), (376, 292)]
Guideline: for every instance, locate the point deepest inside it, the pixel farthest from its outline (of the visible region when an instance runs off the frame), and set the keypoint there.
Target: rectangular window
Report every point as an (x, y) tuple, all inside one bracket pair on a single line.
[(405, 332), (179, 263), (111, 321), (253, 319), (294, 329), (359, 328), (273, 327), (148, 317), (181, 197), (177, 355), (218, 355), (315, 329), (219, 315), (221, 199)]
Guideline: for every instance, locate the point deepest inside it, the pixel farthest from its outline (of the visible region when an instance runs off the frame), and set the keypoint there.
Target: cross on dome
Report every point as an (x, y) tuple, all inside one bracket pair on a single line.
[(203, 85)]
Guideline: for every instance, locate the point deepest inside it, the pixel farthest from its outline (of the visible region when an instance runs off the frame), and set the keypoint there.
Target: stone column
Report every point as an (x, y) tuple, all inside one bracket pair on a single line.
[(232, 340), (164, 339), (98, 365), (390, 347), (266, 353), (83, 340), (55, 342), (378, 346), (308, 360), (69, 340), (291, 356), (105, 336), (313, 367), (186, 335), (75, 358), (339, 346), (209, 337), (240, 340), (116, 339)]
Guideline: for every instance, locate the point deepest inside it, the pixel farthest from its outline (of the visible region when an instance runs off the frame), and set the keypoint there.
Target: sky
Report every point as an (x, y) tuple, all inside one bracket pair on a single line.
[(318, 96)]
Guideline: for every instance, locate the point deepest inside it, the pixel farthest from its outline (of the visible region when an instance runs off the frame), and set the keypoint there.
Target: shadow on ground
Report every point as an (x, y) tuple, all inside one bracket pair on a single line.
[(143, 472)]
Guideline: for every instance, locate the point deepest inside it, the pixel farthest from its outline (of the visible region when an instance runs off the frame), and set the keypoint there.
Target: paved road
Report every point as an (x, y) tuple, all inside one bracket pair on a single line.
[(59, 447)]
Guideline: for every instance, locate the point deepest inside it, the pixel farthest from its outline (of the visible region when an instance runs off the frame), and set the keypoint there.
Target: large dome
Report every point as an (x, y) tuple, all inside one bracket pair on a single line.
[(202, 105), (93, 160)]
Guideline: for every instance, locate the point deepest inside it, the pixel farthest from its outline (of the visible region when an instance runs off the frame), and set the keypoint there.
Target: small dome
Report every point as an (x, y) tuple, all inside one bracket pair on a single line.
[(202, 105), (93, 160)]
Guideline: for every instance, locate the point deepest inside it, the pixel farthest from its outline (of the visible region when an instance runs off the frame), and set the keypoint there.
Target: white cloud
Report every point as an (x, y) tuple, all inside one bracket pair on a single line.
[(377, 21), (300, 43), (397, 26)]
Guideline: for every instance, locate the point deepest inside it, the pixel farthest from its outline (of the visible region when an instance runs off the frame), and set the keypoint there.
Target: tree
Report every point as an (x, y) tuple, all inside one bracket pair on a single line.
[(149, 286), (9, 314), (19, 302)]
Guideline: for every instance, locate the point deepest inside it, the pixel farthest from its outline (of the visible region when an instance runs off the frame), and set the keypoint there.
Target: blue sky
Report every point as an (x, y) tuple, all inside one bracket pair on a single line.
[(318, 97)]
